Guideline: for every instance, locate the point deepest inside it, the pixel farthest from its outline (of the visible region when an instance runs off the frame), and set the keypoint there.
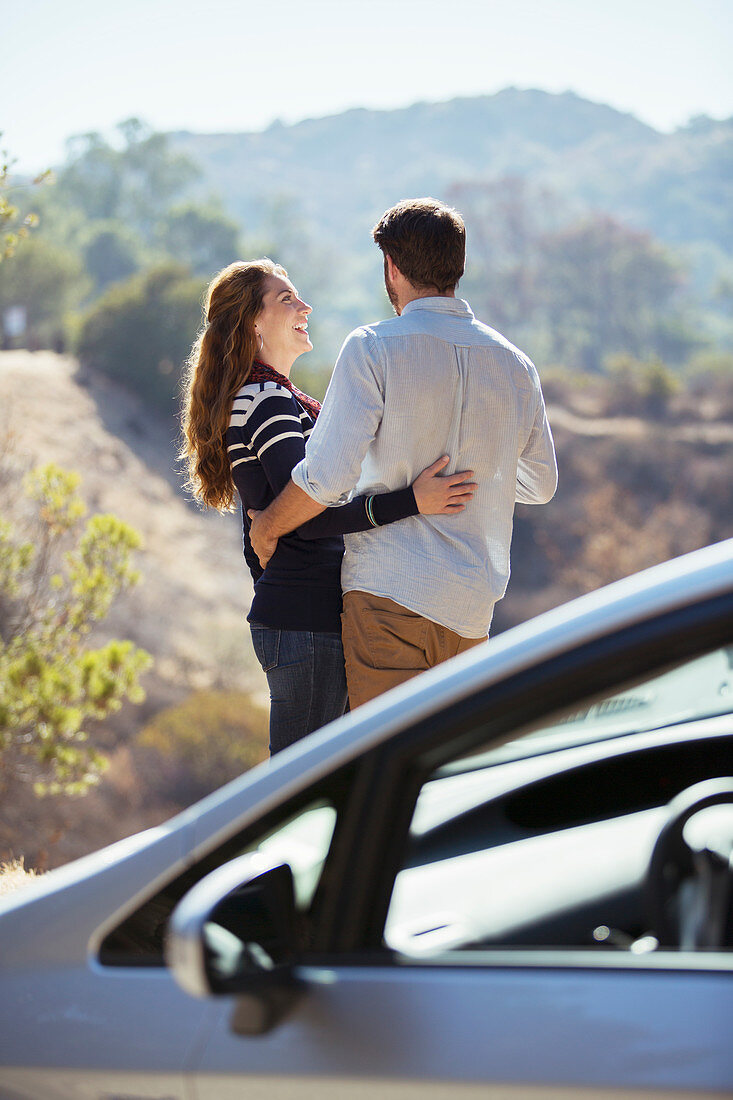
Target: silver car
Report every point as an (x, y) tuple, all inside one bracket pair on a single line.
[(509, 879)]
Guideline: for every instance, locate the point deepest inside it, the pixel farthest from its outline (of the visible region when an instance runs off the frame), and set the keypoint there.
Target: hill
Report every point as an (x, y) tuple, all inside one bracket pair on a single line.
[(341, 172), (309, 193)]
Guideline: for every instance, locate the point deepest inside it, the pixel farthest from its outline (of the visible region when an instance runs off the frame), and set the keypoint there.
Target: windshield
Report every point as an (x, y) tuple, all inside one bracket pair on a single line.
[(697, 689)]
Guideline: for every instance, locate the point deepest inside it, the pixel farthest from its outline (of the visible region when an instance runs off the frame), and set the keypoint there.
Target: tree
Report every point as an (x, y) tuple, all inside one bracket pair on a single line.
[(111, 253), (53, 587), (507, 218), (607, 289), (14, 225), (140, 331), (134, 185), (201, 236), (45, 281), (567, 288)]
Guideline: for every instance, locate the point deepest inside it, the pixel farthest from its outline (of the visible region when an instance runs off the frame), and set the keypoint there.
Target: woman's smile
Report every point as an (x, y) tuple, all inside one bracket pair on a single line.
[(282, 324)]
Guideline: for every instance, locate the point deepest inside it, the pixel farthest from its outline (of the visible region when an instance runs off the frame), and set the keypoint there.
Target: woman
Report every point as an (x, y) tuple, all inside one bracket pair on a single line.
[(245, 427)]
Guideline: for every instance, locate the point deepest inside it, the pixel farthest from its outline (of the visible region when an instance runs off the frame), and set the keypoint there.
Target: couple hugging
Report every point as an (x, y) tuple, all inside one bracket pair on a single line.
[(373, 555)]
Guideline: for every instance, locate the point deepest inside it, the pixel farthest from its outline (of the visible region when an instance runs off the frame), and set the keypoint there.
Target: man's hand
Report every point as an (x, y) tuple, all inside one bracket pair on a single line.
[(263, 542), (286, 512)]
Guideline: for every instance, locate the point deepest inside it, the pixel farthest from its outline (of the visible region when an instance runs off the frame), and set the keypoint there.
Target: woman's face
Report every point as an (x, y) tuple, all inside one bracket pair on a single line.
[(282, 323)]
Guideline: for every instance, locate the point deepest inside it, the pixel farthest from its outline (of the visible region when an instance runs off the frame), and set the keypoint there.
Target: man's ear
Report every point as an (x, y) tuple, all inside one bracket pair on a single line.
[(392, 268)]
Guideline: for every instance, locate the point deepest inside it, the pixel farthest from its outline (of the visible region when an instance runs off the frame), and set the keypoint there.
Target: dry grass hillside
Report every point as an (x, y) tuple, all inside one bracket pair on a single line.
[(189, 609), (637, 486)]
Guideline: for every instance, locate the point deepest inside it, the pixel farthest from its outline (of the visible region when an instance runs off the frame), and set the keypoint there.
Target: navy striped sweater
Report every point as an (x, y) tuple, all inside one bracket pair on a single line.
[(301, 587)]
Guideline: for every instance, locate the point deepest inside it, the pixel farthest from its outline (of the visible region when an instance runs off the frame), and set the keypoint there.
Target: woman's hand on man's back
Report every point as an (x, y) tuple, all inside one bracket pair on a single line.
[(438, 494)]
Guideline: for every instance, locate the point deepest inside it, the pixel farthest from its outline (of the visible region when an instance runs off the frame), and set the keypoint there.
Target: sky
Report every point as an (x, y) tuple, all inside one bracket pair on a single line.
[(75, 66)]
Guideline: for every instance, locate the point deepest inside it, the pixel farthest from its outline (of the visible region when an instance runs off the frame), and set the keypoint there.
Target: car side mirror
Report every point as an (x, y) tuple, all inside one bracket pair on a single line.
[(235, 932)]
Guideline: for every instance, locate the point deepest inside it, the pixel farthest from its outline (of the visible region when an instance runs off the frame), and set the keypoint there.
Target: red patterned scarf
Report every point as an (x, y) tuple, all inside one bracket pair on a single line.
[(262, 373)]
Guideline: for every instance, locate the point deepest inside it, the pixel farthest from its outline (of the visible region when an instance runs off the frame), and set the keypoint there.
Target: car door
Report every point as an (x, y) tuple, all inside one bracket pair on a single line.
[(70, 1028), (377, 1015)]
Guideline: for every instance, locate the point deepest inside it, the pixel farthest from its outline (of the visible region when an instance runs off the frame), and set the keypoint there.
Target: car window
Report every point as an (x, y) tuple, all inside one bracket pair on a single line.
[(299, 834), (693, 690), (546, 841), (302, 842)]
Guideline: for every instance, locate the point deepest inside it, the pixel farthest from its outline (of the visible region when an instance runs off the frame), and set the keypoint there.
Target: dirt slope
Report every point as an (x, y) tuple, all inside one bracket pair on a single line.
[(190, 609)]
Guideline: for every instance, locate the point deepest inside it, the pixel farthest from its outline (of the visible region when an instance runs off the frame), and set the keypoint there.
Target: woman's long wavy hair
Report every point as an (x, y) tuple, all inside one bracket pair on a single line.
[(219, 365)]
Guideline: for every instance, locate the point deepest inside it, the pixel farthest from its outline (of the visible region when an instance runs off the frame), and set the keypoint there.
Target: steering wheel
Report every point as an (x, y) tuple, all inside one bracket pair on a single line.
[(689, 890)]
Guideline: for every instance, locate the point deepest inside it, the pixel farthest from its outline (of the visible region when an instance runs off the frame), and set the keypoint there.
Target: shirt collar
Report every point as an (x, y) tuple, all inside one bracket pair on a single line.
[(440, 304)]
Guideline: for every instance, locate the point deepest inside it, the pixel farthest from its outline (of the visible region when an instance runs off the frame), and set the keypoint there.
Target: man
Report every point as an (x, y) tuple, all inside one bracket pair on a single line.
[(433, 380)]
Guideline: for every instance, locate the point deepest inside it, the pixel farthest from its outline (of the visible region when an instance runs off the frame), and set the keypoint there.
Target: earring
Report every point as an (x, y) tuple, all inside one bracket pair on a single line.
[(262, 341)]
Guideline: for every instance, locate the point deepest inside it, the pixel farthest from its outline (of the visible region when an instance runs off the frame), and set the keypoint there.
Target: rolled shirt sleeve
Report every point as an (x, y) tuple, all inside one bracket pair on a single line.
[(349, 420)]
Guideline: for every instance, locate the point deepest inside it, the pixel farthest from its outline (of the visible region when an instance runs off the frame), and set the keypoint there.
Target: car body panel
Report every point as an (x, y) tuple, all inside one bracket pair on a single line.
[(134, 1029), (505, 1024), (525, 1027), (57, 918)]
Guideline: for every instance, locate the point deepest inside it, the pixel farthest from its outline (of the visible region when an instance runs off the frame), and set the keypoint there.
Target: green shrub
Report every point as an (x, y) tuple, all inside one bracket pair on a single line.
[(46, 282), (140, 331), (190, 749), (111, 253), (53, 587), (640, 388), (202, 237)]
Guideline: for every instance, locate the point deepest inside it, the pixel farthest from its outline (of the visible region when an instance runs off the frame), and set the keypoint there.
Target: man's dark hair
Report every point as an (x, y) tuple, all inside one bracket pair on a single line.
[(426, 240)]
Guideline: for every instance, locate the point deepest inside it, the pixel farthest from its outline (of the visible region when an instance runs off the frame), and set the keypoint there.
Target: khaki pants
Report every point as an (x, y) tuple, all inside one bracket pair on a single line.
[(385, 645)]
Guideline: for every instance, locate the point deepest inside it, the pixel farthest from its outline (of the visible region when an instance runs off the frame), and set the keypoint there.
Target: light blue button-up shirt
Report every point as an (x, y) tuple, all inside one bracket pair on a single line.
[(405, 391)]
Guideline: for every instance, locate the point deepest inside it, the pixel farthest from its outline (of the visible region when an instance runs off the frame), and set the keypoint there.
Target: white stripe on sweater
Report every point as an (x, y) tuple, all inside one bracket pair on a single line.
[(274, 420), (277, 438)]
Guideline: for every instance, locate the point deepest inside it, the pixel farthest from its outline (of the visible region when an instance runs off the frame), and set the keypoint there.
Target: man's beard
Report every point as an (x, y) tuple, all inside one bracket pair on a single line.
[(389, 287)]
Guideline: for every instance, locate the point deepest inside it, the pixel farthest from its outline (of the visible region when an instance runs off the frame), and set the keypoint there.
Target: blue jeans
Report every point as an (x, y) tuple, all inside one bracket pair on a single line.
[(307, 680)]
